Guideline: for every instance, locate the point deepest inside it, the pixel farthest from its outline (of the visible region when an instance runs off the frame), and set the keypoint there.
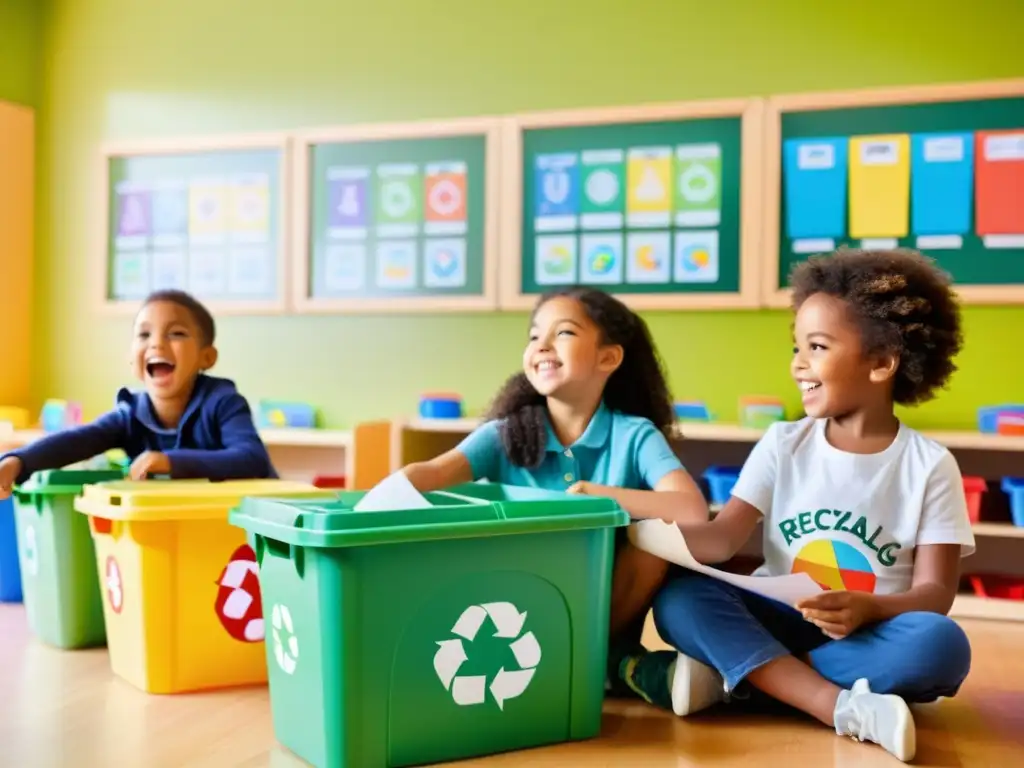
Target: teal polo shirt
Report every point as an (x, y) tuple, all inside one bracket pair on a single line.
[(616, 449)]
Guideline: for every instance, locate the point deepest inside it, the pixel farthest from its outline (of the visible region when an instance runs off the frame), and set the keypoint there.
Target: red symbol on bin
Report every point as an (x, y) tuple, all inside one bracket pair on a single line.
[(238, 604), (115, 585)]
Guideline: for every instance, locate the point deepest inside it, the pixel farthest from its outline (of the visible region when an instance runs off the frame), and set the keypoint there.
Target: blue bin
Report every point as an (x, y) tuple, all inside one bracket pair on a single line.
[(720, 482), (988, 417), (440, 407), (10, 570), (1014, 488)]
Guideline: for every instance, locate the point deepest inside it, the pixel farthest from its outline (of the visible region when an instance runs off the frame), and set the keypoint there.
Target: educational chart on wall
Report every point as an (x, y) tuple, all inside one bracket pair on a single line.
[(946, 178), (633, 208), (398, 220), (206, 222)]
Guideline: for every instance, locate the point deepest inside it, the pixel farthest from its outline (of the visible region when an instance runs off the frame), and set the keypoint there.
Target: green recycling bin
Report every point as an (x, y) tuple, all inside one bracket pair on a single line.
[(474, 626), (58, 562)]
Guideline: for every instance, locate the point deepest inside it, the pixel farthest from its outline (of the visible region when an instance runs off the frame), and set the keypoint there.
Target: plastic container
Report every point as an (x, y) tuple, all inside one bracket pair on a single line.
[(720, 482), (441, 406), (58, 560), (1014, 488), (988, 417), (472, 627), (180, 587), (1000, 587), (10, 571), (329, 481), (974, 489)]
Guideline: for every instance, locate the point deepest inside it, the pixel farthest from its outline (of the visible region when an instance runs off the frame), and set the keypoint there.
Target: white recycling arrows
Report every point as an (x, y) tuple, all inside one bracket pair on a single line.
[(468, 690), (286, 644)]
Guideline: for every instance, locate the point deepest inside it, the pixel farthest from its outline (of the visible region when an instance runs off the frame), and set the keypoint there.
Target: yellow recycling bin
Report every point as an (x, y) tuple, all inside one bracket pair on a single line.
[(181, 596)]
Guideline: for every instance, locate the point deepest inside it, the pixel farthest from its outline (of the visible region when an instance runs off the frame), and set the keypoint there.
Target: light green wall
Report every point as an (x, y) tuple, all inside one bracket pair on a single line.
[(20, 48), (123, 68)]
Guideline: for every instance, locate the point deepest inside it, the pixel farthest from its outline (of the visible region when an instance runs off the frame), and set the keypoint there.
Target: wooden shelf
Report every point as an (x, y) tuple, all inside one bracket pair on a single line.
[(456, 426), (974, 607)]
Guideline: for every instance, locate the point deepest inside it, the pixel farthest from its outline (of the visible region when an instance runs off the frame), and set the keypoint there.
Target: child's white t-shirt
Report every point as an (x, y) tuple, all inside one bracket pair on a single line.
[(851, 521)]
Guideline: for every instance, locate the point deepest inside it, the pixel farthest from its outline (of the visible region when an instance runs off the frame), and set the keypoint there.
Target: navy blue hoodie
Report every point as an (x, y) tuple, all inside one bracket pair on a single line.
[(216, 438)]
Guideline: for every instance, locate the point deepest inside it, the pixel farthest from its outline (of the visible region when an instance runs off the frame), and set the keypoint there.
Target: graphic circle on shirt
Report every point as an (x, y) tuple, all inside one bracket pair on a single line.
[(238, 605), (835, 565)]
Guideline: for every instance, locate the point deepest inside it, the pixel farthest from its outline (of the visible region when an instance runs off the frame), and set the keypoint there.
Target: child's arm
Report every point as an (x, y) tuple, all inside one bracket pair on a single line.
[(243, 457), (475, 457)]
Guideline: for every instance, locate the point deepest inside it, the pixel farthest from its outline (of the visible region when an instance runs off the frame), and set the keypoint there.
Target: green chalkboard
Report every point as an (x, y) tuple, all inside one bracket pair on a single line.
[(208, 222), (398, 218), (947, 187), (633, 208)]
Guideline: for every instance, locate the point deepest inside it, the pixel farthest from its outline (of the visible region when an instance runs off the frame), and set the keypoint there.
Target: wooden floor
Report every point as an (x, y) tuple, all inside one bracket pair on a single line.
[(62, 709)]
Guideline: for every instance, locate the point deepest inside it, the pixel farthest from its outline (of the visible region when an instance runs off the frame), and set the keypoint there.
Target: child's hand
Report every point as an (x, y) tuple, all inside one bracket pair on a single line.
[(149, 463), (838, 613), (10, 468), (582, 488)]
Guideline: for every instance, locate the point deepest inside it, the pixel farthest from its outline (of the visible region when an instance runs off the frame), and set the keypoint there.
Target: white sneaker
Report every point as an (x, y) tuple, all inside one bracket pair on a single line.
[(694, 686), (882, 718)]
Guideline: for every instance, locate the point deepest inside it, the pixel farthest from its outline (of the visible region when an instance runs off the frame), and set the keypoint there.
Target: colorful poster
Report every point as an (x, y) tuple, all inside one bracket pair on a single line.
[(444, 263), (399, 200), (208, 272), (169, 269), (131, 274), (557, 192), (170, 214), (133, 216), (445, 199), (249, 208), (1000, 187), (555, 260), (250, 272), (347, 201), (604, 183), (207, 202), (698, 177), (649, 187), (941, 188), (345, 268), (696, 256), (396, 264), (880, 186), (814, 185), (648, 257), (601, 261)]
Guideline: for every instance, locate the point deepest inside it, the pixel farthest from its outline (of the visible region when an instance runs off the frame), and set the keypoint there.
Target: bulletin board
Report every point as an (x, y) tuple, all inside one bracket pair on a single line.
[(939, 169), (401, 217), (657, 204), (206, 216)]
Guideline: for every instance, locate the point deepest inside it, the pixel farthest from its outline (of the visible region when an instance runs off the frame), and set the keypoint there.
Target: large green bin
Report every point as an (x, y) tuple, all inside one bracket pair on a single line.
[(474, 626), (58, 561)]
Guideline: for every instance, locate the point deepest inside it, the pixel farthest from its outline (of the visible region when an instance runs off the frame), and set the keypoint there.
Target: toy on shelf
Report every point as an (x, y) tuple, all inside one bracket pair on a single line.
[(13, 418), (692, 410), (1001, 420), (758, 412), (278, 414), (441, 405), (58, 415)]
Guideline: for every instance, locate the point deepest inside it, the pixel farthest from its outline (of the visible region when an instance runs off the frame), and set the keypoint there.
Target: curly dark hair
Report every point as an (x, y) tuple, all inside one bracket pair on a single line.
[(637, 387), (903, 304), (200, 314)]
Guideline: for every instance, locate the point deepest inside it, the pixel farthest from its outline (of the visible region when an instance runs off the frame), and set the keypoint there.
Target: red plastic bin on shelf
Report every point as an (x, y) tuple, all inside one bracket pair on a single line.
[(329, 481), (974, 488), (1003, 587)]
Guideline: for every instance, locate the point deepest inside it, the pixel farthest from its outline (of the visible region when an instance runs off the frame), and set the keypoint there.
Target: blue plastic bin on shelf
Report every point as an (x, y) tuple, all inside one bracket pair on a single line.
[(1014, 488), (10, 570), (988, 417), (720, 482), (441, 406)]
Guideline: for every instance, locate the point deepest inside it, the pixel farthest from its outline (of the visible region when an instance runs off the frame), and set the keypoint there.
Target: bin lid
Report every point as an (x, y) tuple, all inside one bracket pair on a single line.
[(154, 500), (465, 511), (60, 482)]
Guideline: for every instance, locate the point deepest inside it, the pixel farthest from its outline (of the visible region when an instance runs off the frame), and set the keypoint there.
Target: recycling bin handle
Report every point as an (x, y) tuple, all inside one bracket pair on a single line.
[(282, 550)]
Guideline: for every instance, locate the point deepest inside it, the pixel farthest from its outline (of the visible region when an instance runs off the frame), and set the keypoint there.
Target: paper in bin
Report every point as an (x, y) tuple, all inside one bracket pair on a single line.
[(394, 492)]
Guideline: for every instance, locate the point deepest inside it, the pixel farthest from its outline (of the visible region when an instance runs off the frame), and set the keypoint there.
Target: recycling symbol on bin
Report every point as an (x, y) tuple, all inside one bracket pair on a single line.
[(286, 644), (467, 690)]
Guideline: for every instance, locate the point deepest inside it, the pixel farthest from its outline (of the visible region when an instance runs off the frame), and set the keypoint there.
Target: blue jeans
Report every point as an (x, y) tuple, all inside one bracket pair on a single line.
[(918, 656)]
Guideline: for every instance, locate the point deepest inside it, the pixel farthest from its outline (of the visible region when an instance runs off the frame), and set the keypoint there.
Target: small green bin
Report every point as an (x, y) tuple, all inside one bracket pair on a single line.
[(58, 561), (475, 626)]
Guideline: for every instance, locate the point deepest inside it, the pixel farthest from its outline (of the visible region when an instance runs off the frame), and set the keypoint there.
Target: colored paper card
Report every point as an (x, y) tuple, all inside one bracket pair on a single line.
[(648, 257), (557, 182), (133, 216), (649, 187), (399, 200), (169, 269), (249, 208), (604, 183), (941, 188), (348, 203), (396, 264), (698, 178), (601, 261), (208, 272), (1000, 185), (169, 203), (445, 199), (345, 268), (131, 274), (207, 203), (696, 256), (444, 263), (555, 260), (814, 185), (250, 271), (880, 186)]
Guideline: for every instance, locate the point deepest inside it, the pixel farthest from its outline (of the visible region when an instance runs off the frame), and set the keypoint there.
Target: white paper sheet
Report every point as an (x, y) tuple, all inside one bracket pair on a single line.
[(393, 492), (666, 541)]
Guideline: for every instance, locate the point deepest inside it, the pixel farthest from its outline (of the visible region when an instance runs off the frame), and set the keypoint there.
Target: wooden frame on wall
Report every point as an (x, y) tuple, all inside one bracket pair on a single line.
[(778, 106), (214, 147), (487, 128), (750, 112)]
